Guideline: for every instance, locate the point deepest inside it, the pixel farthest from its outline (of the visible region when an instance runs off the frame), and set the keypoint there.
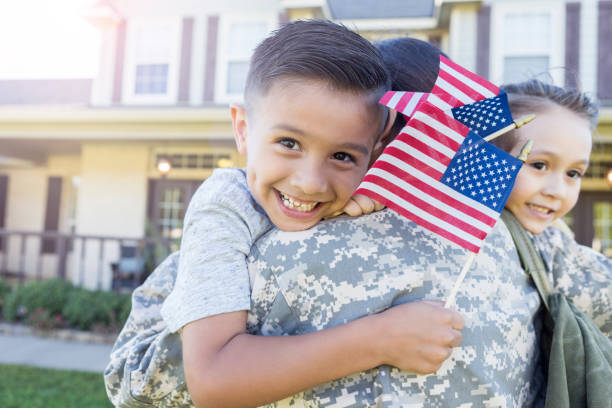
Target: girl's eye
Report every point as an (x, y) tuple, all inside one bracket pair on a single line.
[(289, 144), (574, 174), (345, 157), (538, 165)]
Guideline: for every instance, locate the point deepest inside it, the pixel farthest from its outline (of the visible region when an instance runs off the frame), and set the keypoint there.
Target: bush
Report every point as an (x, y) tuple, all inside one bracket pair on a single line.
[(57, 304), (5, 290), (87, 309), (50, 295)]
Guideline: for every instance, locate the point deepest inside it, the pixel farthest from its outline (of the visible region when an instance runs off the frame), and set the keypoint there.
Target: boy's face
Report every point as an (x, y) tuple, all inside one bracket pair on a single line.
[(548, 185), (308, 148)]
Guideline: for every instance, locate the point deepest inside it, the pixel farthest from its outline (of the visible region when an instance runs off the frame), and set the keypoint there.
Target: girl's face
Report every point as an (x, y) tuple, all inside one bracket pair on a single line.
[(548, 185)]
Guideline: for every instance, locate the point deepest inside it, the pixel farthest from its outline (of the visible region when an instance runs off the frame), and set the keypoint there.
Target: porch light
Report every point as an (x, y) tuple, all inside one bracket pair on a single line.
[(609, 177), (163, 166), (224, 163)]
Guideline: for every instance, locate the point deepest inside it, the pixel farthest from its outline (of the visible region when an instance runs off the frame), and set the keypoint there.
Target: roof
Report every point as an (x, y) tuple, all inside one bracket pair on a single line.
[(370, 9), (45, 91)]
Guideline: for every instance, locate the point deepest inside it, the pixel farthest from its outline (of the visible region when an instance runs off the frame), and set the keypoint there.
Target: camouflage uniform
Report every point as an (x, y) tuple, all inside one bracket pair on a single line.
[(344, 269)]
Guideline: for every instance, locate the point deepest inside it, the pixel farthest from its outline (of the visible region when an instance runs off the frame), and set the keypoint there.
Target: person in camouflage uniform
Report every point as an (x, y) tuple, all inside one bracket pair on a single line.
[(347, 268)]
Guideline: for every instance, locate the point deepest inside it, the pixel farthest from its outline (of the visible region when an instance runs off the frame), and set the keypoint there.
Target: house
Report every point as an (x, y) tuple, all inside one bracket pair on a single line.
[(84, 162)]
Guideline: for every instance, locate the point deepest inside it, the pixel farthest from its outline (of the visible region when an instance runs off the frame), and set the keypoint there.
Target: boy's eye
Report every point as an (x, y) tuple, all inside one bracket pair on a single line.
[(538, 165), (343, 156), (289, 144), (574, 174)]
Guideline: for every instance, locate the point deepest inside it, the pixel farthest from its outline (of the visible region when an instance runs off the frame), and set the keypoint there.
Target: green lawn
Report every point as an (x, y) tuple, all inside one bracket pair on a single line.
[(30, 387)]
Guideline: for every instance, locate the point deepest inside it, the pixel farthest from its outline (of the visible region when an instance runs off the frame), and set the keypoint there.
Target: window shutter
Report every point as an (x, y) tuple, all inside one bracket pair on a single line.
[(52, 212), (604, 49), (483, 41), (184, 81), (572, 44), (211, 58)]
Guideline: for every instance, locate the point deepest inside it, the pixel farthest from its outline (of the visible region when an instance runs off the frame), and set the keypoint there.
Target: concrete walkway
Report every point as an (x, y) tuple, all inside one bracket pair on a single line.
[(53, 353)]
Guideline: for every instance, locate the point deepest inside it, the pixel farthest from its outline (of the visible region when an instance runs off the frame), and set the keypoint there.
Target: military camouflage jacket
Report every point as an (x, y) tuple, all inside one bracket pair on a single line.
[(348, 268)]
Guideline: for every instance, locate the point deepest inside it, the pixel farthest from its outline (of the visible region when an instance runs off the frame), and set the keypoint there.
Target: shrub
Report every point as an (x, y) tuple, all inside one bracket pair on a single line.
[(5, 290), (42, 319), (86, 309), (50, 295)]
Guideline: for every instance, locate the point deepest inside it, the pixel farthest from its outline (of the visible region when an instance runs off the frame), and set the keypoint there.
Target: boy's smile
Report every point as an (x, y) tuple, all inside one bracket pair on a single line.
[(308, 147), (548, 185)]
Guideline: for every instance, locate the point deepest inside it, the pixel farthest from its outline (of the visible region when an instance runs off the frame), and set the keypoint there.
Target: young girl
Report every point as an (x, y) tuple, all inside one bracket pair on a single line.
[(548, 185)]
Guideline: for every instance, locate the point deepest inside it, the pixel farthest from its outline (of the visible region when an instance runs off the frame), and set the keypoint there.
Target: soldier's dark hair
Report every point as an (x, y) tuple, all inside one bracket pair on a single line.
[(535, 96), (413, 65), (317, 50)]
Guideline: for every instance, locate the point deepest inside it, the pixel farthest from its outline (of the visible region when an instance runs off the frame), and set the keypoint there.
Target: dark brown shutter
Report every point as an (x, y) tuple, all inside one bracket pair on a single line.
[(119, 60), (572, 44), (184, 80), (3, 201), (483, 41), (212, 30), (52, 212), (604, 50)]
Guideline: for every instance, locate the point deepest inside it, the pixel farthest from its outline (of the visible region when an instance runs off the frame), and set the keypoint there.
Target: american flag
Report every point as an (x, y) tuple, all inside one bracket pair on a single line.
[(486, 116), (442, 176), (455, 86)]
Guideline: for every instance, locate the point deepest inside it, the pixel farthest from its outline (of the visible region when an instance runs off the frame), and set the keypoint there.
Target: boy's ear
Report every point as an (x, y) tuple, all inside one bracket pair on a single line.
[(385, 138), (239, 124)]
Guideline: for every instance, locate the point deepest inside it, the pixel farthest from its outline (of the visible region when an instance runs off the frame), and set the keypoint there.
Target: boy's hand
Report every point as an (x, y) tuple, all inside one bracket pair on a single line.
[(360, 204), (418, 336)]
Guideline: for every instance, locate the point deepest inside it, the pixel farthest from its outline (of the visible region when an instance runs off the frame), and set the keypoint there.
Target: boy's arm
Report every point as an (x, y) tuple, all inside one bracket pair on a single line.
[(224, 366)]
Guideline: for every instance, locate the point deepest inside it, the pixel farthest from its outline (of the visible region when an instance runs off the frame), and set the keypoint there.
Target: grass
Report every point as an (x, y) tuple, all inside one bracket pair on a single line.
[(30, 387)]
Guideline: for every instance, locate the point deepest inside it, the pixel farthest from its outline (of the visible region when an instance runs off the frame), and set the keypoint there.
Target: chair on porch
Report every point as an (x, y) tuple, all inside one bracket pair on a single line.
[(129, 272)]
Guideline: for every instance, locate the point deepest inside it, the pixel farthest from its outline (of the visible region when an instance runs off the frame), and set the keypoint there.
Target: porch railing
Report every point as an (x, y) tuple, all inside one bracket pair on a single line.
[(86, 260)]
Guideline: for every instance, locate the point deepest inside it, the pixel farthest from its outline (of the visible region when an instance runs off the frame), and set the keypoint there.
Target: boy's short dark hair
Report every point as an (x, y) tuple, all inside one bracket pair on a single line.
[(317, 50)]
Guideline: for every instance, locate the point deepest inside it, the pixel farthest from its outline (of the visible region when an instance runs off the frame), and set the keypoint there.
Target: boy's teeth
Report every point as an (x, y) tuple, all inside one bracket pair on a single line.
[(537, 208), (288, 202)]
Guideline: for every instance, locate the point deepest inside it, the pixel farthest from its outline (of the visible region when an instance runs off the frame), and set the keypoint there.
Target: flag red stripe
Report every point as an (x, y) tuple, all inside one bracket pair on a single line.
[(461, 86), (433, 133), (386, 97), (427, 207), (443, 118), (434, 192), (425, 149), (476, 78), (401, 104), (418, 220), (413, 161)]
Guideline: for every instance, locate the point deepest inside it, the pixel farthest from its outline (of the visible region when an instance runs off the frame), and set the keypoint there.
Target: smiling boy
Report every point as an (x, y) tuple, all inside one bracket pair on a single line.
[(310, 126)]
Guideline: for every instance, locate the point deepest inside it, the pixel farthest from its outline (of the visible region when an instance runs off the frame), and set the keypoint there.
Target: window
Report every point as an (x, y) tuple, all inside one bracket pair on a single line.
[(151, 79), (527, 40), (152, 59), (238, 38)]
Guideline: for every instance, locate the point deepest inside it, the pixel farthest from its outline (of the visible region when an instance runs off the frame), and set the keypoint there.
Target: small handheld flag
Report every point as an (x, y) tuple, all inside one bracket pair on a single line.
[(445, 178)]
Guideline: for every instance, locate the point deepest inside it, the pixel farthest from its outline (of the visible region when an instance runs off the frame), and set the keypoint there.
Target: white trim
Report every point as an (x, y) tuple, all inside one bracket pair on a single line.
[(387, 24), (129, 97), (556, 52), (225, 23), (589, 37)]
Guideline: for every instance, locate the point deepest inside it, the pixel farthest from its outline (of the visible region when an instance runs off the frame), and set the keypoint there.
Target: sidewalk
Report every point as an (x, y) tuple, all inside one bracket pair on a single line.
[(43, 352)]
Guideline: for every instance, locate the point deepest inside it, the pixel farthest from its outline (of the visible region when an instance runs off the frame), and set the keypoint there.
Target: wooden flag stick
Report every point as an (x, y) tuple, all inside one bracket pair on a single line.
[(468, 263), (516, 124)]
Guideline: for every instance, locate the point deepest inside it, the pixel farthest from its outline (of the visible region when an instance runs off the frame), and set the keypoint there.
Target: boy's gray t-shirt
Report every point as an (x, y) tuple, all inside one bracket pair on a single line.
[(221, 224)]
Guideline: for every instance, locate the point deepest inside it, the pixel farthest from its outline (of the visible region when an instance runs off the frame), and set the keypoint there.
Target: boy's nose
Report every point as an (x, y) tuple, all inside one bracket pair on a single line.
[(310, 178)]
